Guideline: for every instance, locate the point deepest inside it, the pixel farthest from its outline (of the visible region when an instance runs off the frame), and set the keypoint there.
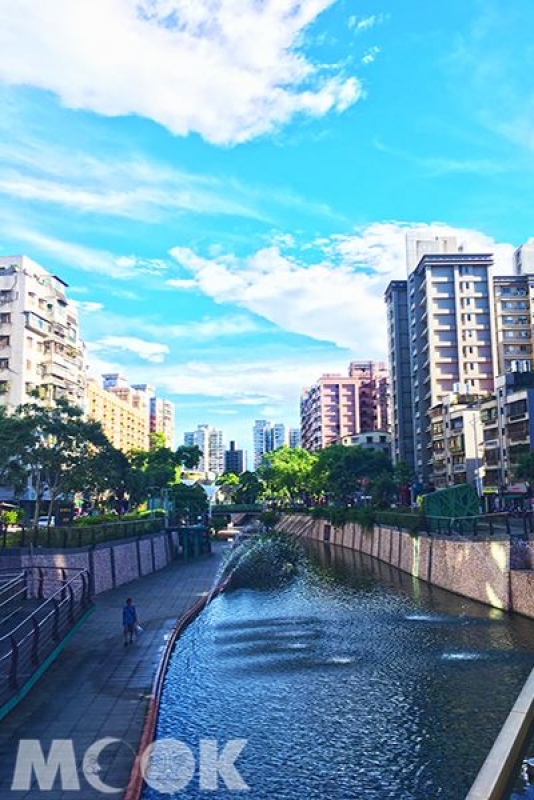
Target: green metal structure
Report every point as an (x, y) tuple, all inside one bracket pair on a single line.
[(455, 503)]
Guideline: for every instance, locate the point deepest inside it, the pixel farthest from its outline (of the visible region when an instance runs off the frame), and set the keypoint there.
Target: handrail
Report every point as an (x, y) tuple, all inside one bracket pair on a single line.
[(26, 646), (46, 602), (503, 760)]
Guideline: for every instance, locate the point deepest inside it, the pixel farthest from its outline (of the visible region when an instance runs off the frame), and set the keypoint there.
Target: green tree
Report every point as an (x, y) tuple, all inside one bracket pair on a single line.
[(286, 472), (341, 472), (230, 482), (58, 449), (250, 488), (188, 457), (189, 502)]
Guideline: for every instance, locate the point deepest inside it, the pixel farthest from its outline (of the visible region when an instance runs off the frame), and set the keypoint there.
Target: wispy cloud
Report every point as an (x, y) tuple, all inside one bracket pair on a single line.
[(371, 54), (360, 24), (434, 166), (337, 298), (87, 259), (154, 352), (190, 66)]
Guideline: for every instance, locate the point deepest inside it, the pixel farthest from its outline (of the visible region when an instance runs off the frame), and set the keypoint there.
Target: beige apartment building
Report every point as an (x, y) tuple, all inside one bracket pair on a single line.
[(122, 413), (40, 345), (336, 406), (450, 305)]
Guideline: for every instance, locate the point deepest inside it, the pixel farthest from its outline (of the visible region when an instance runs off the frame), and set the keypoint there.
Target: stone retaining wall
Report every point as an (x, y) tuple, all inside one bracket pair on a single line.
[(479, 570), (111, 565)]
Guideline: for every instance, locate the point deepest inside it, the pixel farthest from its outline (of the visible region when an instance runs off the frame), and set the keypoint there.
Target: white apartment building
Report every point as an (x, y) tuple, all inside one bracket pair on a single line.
[(294, 437), (210, 442), (450, 305), (524, 259), (160, 412), (266, 438), (40, 345)]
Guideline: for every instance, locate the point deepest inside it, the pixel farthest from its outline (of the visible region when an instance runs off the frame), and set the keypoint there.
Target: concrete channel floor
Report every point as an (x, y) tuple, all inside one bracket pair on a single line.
[(98, 688)]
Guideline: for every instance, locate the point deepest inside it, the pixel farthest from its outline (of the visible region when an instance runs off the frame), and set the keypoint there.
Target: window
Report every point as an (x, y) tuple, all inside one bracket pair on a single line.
[(5, 319), (4, 341), (4, 363), (4, 387)]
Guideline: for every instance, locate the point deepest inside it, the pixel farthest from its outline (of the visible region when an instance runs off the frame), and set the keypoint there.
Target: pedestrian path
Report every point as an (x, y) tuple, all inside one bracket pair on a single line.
[(97, 687)]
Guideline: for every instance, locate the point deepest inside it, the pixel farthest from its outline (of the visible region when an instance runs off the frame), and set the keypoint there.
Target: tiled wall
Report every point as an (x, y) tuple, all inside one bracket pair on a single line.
[(479, 570)]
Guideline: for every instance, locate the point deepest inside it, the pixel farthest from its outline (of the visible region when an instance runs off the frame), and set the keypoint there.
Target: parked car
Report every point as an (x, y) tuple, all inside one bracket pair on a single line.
[(43, 522)]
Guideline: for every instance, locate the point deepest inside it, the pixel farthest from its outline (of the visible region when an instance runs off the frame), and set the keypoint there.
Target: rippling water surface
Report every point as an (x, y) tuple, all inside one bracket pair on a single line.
[(356, 682)]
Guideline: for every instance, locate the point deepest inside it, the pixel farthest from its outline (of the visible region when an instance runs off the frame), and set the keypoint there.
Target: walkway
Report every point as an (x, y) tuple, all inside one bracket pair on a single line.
[(97, 687)]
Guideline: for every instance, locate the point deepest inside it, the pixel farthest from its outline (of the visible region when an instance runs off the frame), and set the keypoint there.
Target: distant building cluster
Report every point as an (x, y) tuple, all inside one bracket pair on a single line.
[(268, 436)]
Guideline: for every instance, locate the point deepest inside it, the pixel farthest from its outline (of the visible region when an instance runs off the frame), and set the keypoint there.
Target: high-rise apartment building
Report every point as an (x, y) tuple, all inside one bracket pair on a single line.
[(524, 259), (451, 342), (235, 460), (266, 438), (294, 437), (40, 345), (210, 442), (449, 299), (402, 442), (338, 406), (123, 419), (160, 413), (512, 311)]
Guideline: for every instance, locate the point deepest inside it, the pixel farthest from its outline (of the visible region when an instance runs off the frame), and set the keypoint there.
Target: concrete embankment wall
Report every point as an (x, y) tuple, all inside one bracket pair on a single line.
[(479, 570), (111, 564)]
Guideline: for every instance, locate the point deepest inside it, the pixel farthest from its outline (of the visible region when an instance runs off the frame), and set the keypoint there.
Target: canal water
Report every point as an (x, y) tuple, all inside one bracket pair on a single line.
[(357, 681)]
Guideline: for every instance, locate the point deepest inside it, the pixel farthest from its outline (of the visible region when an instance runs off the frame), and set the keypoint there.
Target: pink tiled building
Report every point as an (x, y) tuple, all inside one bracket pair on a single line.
[(338, 406)]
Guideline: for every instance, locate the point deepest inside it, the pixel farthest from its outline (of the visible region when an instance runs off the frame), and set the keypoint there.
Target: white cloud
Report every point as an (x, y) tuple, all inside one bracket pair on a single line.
[(149, 351), (359, 25), (87, 259), (88, 306), (190, 66), (337, 298), (371, 54)]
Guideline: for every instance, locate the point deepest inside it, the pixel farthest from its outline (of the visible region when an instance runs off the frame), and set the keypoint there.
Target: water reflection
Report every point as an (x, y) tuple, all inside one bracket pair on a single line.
[(358, 681)]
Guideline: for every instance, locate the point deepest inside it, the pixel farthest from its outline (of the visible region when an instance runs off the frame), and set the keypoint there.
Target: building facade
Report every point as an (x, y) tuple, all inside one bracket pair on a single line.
[(398, 328), (210, 443), (457, 442), (294, 437), (338, 406), (450, 303), (379, 441), (266, 437), (160, 413), (123, 418), (235, 460), (40, 346)]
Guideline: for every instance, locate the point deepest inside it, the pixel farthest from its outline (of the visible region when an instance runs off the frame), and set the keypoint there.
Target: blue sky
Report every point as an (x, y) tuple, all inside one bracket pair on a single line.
[(226, 184)]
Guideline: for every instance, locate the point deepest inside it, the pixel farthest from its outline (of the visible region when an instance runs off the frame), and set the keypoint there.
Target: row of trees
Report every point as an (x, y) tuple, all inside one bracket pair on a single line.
[(58, 452), (338, 474)]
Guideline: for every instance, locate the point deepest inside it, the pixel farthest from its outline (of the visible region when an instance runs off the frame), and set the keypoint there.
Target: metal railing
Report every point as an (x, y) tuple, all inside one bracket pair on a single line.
[(79, 535), (25, 648), (13, 592)]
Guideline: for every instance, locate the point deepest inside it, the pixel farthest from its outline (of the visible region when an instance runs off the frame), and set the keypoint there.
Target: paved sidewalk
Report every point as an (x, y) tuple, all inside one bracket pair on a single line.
[(98, 688)]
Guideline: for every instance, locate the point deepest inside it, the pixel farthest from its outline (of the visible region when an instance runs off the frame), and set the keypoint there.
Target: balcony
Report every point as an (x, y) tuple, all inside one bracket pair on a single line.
[(459, 468)]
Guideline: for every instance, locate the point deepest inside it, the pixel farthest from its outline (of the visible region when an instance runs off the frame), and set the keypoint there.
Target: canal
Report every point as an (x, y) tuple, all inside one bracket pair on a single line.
[(356, 681)]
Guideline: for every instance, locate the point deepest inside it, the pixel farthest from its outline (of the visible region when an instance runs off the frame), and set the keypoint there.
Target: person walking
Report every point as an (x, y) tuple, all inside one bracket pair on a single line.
[(129, 621)]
